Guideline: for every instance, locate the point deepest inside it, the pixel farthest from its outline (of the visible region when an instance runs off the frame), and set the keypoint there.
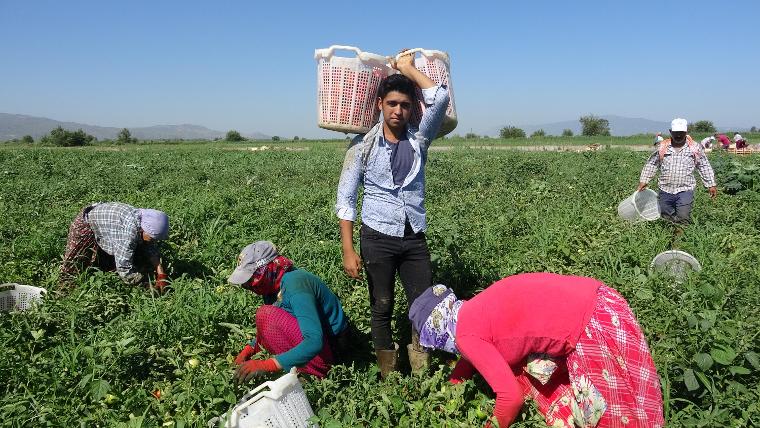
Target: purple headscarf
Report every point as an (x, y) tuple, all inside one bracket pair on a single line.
[(155, 223), (434, 315)]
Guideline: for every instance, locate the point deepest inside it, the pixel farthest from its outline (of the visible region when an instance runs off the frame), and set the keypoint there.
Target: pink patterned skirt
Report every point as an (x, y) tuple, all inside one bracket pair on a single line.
[(611, 380)]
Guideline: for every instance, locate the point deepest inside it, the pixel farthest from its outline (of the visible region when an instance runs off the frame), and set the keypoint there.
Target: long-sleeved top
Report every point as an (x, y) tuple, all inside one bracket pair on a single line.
[(316, 309), (386, 206), (677, 169), (517, 316), (117, 232)]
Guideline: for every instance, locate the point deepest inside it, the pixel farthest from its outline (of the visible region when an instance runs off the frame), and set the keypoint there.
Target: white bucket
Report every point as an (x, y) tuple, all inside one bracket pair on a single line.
[(281, 403), (677, 264), (640, 206), (435, 65), (347, 89)]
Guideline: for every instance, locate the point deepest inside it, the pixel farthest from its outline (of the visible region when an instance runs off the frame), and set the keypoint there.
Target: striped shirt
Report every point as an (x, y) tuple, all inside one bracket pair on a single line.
[(117, 231), (677, 169), (387, 206)]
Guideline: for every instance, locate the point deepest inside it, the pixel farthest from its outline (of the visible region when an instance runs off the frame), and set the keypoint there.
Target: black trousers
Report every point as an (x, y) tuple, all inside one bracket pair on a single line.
[(384, 255)]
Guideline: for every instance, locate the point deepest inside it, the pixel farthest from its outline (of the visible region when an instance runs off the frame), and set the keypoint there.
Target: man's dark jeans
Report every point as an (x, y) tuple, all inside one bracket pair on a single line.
[(676, 207), (383, 256)]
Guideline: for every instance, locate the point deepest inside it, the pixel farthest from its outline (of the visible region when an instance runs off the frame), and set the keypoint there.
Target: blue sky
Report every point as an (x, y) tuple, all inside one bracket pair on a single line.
[(249, 65)]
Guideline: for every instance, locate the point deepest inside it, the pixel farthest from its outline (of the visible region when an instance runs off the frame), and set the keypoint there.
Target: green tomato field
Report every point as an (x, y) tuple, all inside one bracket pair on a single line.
[(110, 354)]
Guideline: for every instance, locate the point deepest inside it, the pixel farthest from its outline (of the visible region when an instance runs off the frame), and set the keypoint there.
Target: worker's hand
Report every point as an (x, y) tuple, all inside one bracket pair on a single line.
[(253, 368), (162, 281), (245, 355), (641, 187), (352, 264), (403, 61), (713, 192)]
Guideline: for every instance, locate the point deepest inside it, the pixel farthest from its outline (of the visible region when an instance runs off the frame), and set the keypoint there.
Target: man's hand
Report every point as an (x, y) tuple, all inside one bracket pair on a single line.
[(641, 187), (253, 368), (713, 192), (403, 61), (352, 264)]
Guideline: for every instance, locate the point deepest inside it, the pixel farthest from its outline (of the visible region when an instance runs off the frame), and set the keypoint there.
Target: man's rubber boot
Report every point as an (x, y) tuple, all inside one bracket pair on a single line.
[(418, 358), (387, 360)]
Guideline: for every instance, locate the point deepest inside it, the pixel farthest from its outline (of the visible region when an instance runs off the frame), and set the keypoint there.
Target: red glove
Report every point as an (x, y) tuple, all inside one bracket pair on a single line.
[(162, 280), (252, 368), (245, 355)]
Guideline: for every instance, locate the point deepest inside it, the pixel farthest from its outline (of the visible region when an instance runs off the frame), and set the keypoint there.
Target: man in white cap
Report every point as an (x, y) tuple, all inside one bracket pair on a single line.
[(111, 236), (676, 158)]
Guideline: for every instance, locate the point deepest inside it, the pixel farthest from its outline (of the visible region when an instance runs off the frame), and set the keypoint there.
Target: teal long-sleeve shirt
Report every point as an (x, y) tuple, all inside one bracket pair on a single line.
[(317, 310)]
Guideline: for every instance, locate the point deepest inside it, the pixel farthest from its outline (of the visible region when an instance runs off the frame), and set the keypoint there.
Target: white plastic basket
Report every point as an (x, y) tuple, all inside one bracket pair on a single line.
[(19, 297), (676, 264), (435, 65), (347, 89), (276, 404), (640, 206)]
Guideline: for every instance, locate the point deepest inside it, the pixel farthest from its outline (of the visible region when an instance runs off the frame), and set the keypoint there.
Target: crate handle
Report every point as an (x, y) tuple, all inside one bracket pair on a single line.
[(425, 52), (364, 56), (7, 287)]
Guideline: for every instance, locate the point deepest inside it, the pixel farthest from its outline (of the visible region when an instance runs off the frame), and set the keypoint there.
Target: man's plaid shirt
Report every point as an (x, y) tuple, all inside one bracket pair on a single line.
[(677, 169), (117, 231)]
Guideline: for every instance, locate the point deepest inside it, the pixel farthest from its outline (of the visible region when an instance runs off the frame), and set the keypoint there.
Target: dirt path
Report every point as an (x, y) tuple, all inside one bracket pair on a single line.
[(548, 148)]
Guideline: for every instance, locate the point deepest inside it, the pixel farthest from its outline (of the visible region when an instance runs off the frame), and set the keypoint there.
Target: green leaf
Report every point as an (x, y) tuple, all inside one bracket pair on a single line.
[(739, 370), (753, 359), (723, 355), (692, 320), (98, 389), (690, 380), (704, 361), (38, 334)]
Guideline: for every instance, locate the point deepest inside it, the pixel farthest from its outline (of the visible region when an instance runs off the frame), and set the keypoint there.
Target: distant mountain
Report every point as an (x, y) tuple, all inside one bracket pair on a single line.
[(17, 125), (619, 126)]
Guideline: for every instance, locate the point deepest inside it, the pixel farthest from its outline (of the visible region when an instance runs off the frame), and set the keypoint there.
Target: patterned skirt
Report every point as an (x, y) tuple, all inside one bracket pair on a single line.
[(611, 380), (277, 331)]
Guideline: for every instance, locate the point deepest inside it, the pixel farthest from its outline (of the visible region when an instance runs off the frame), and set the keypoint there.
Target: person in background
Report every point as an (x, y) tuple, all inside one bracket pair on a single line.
[(301, 322), (739, 141), (658, 138), (389, 162), (116, 236), (571, 343), (707, 142), (676, 158), (725, 142)]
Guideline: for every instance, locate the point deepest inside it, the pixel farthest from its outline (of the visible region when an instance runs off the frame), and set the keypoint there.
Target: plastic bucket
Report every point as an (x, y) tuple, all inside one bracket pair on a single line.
[(640, 206), (347, 89), (677, 264), (281, 403), (435, 65)]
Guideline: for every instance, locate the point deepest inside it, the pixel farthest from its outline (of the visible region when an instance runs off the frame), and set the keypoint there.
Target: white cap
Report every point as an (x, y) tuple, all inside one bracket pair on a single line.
[(678, 124)]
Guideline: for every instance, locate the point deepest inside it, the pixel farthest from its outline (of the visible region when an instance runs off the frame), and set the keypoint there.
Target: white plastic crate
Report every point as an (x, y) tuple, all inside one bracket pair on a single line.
[(435, 65), (281, 403), (347, 89), (19, 297)]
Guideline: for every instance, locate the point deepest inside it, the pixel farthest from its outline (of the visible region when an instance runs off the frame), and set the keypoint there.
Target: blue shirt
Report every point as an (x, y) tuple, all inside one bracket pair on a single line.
[(317, 310), (402, 159), (387, 206)]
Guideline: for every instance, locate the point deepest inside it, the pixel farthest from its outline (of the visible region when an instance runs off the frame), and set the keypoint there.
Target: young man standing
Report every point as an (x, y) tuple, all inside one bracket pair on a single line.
[(389, 162), (676, 158)]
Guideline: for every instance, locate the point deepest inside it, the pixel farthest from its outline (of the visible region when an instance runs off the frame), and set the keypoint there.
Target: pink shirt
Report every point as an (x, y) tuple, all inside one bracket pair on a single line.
[(515, 317), (724, 140)]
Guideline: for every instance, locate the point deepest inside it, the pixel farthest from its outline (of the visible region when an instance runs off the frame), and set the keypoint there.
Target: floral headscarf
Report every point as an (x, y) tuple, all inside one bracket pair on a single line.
[(439, 330)]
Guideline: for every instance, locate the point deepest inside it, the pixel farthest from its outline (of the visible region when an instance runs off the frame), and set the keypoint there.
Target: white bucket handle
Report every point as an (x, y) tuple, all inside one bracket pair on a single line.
[(428, 53), (364, 56)]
